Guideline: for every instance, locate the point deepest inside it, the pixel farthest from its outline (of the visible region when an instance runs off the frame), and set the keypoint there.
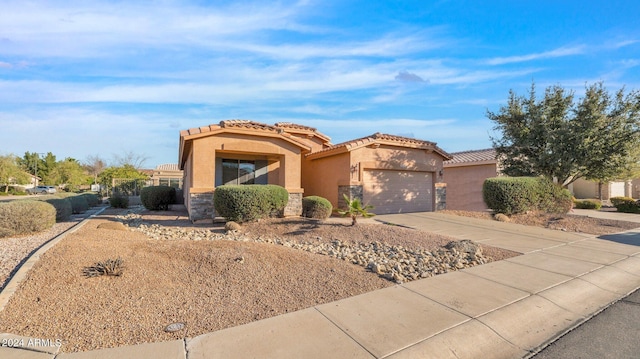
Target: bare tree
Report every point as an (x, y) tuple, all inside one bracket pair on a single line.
[(130, 158), (94, 164)]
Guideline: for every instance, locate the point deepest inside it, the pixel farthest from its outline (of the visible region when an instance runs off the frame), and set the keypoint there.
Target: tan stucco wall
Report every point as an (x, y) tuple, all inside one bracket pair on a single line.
[(284, 158), (586, 189), (389, 157), (321, 177), (464, 186)]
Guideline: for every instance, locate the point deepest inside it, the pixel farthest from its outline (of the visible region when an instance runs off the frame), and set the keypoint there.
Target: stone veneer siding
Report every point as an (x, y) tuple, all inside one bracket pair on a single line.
[(441, 196), (294, 206), (352, 192), (201, 206)]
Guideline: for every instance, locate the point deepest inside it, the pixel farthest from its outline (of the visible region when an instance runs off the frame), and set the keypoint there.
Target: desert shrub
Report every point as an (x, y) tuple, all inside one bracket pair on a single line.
[(63, 207), (92, 199), (615, 201), (316, 207), (157, 197), (626, 204), (510, 195), (23, 217), (587, 204), (243, 203), (553, 198), (119, 201), (17, 191), (110, 267), (12, 190), (79, 203)]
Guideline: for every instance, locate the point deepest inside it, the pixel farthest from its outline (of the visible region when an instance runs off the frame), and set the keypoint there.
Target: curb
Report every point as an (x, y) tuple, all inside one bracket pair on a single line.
[(24, 269)]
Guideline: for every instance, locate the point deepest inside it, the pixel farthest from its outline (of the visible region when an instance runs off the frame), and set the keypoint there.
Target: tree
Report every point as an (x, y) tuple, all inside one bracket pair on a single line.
[(130, 159), (124, 172), (95, 165), (597, 138), (31, 162), (47, 172), (10, 172), (71, 174)]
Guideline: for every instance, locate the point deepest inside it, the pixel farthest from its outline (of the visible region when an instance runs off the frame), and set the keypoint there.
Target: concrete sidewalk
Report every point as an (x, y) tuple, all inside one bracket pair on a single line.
[(505, 309), (629, 217)]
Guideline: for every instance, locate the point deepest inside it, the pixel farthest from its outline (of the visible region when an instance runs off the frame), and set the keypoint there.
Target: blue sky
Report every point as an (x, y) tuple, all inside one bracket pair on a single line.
[(81, 78)]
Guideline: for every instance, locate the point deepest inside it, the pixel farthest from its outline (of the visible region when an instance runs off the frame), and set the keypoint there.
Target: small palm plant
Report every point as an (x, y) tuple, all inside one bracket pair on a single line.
[(355, 209)]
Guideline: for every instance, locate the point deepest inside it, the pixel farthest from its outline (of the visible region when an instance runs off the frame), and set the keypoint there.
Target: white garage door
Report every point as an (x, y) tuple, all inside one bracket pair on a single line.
[(397, 191), (617, 189)]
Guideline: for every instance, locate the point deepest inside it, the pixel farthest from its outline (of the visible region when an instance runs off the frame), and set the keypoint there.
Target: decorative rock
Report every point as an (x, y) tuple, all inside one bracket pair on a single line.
[(174, 327), (394, 263)]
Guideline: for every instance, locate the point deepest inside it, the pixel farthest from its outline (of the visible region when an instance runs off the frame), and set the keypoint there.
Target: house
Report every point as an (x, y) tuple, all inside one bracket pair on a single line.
[(393, 173), (167, 175), (464, 175), (582, 188)]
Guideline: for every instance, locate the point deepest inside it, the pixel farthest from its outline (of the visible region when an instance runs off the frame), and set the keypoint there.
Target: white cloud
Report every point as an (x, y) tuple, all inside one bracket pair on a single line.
[(559, 52)]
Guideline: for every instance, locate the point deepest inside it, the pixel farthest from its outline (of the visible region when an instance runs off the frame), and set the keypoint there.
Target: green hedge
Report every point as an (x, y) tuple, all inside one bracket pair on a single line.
[(63, 207), (626, 204), (24, 217), (78, 204), (316, 207), (157, 197), (243, 203), (92, 198), (119, 201), (587, 204), (511, 195)]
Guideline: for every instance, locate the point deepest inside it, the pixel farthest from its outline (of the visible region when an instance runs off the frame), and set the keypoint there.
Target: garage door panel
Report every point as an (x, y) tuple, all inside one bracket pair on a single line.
[(397, 191), (617, 189)]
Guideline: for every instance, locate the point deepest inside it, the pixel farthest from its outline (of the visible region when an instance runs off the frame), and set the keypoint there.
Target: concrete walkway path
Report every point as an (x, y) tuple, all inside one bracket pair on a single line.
[(505, 309), (629, 217)]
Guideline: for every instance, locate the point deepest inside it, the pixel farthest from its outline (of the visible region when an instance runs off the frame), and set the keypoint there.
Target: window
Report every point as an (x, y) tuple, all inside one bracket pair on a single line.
[(238, 172), (170, 182)]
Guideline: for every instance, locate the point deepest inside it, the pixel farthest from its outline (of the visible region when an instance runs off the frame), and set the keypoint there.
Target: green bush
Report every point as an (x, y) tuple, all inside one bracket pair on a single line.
[(63, 207), (510, 195), (316, 207), (243, 203), (23, 217), (12, 190), (626, 204), (79, 203), (119, 201), (615, 201), (587, 204), (553, 198), (92, 199), (157, 197)]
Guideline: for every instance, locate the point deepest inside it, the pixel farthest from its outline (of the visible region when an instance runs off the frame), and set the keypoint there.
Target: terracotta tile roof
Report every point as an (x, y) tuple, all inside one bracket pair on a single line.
[(294, 126), (168, 167), (485, 155), (389, 139), (248, 124)]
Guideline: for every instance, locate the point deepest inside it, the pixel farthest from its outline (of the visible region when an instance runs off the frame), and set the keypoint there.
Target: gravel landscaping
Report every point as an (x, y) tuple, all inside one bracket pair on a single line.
[(208, 279)]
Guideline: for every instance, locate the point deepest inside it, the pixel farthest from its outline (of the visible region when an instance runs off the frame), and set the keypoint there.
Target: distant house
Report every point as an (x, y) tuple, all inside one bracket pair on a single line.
[(393, 173), (582, 188), (464, 175), (167, 175)]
